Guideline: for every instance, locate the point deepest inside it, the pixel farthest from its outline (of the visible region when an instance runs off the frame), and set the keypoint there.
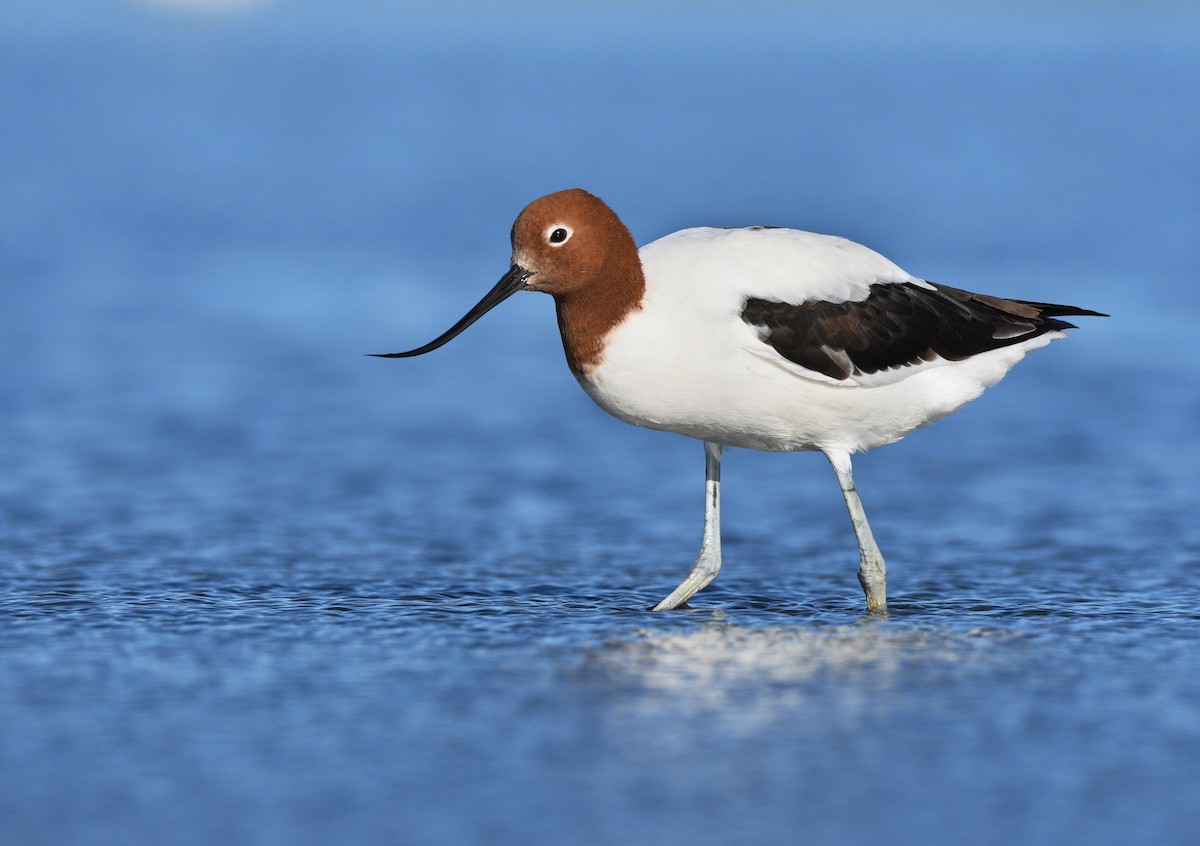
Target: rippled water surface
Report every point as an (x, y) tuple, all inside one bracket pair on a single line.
[(256, 588)]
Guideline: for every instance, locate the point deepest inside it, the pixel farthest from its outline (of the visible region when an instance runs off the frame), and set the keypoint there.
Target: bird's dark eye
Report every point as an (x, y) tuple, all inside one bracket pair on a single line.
[(559, 235)]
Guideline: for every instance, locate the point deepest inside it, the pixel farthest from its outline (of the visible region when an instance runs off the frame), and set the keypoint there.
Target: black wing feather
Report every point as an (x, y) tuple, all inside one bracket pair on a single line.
[(899, 324)]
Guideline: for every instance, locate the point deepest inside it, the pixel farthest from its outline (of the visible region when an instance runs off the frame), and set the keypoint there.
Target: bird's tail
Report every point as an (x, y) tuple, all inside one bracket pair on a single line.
[(1049, 311)]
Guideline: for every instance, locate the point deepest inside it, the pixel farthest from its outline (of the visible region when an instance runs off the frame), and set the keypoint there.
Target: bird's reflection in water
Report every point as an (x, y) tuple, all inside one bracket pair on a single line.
[(743, 679)]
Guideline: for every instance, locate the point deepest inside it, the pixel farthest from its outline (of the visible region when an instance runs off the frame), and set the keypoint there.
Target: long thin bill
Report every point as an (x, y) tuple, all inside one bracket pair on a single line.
[(508, 285)]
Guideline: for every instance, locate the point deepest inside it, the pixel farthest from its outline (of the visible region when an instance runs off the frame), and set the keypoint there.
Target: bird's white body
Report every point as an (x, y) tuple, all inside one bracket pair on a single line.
[(686, 362)]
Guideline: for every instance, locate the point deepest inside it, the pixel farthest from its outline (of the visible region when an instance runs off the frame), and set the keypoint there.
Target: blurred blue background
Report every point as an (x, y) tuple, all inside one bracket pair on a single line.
[(256, 588)]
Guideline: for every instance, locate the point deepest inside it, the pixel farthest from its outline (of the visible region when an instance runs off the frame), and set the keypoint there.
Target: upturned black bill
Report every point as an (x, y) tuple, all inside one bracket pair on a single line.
[(508, 285)]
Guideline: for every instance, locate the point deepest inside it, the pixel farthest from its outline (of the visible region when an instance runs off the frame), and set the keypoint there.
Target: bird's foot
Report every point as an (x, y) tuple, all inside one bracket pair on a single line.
[(872, 575), (703, 571)]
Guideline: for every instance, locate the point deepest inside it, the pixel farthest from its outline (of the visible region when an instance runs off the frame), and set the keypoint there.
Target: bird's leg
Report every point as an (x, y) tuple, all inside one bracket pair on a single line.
[(872, 572), (709, 563)]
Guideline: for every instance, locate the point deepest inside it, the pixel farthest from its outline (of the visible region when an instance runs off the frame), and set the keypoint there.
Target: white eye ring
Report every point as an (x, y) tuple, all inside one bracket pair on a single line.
[(557, 235)]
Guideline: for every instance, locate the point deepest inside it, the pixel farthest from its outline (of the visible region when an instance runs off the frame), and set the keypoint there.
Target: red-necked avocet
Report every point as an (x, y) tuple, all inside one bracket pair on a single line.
[(765, 338)]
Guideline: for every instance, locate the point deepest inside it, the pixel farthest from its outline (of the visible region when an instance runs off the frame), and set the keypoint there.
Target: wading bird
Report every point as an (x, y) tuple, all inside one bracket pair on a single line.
[(765, 338)]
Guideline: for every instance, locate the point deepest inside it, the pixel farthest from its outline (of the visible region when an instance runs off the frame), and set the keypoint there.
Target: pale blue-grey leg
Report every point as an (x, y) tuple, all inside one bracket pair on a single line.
[(872, 572), (709, 563)]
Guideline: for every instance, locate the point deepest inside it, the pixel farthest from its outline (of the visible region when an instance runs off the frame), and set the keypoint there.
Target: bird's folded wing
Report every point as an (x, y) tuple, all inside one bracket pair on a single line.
[(897, 329)]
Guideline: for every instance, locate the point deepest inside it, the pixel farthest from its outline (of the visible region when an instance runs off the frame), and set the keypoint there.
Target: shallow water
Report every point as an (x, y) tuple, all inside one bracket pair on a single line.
[(255, 588)]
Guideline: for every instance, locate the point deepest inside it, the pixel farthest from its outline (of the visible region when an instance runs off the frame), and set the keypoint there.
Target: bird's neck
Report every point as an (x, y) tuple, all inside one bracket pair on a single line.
[(587, 315)]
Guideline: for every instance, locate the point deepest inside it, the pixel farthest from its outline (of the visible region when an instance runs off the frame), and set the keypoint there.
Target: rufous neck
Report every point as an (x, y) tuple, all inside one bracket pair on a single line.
[(588, 315)]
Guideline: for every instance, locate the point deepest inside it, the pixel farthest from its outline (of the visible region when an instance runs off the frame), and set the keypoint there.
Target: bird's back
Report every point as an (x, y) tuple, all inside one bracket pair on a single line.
[(785, 264)]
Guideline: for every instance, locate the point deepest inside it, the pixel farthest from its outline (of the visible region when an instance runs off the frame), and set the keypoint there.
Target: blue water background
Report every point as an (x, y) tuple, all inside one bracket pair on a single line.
[(257, 588)]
